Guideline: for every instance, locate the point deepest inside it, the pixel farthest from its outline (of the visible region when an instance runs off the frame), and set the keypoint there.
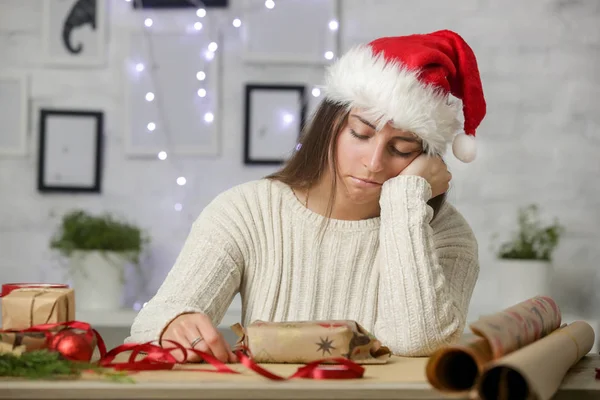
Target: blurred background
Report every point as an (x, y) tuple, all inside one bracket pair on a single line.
[(146, 110)]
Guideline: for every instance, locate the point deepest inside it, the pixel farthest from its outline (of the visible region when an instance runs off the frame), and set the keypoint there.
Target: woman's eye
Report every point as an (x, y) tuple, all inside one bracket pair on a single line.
[(399, 153), (356, 135)]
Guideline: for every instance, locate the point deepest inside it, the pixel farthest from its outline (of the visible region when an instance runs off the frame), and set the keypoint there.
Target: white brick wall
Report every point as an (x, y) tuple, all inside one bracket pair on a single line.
[(539, 143)]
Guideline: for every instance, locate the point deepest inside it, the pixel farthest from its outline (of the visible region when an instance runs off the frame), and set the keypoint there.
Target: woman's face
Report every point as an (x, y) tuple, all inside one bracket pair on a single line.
[(366, 158)]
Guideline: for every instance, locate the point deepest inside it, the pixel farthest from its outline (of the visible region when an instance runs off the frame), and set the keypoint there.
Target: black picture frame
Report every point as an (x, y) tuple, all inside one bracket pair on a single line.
[(276, 157), (175, 4), (50, 138)]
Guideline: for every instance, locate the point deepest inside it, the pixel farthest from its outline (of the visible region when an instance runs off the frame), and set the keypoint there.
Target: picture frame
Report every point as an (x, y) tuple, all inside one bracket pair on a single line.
[(70, 150), (174, 4), (14, 111), (177, 111), (275, 115), (280, 35), (74, 32)]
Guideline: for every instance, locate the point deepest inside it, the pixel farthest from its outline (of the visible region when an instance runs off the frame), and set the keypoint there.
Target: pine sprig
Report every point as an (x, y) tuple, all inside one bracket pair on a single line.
[(43, 364)]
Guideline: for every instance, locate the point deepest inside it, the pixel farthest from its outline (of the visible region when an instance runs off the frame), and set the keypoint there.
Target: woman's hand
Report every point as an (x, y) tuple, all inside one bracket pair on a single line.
[(195, 330), (433, 169)]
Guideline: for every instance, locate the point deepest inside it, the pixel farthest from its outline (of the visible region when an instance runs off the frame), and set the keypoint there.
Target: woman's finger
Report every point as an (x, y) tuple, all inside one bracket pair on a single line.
[(214, 340)]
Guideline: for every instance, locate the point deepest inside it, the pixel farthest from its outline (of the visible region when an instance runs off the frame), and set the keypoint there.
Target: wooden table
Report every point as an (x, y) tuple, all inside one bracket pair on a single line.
[(402, 378)]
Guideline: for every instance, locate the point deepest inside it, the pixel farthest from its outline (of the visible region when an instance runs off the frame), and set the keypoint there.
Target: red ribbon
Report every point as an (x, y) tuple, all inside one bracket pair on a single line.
[(159, 358), (320, 369)]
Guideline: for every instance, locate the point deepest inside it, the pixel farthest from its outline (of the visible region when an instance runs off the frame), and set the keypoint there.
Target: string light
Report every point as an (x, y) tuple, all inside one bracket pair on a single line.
[(209, 54)]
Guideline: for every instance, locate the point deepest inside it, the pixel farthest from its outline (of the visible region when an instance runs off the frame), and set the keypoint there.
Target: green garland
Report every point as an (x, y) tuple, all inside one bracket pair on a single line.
[(43, 364)]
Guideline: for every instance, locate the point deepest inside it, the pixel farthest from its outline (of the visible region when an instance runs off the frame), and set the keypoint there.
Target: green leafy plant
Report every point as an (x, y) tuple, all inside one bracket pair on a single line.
[(532, 241), (80, 230), (43, 364)]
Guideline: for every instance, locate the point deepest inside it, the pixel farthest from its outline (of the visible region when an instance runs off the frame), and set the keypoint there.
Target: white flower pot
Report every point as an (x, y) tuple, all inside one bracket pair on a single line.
[(98, 279), (519, 280)]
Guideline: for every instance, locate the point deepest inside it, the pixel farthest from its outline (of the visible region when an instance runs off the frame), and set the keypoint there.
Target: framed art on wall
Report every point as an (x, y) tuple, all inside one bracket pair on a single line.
[(13, 113), (70, 151), (303, 32), (74, 32), (274, 118), (179, 3), (172, 95)]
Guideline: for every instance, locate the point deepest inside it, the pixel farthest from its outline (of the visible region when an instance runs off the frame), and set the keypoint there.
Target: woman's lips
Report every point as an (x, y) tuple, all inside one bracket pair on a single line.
[(365, 183)]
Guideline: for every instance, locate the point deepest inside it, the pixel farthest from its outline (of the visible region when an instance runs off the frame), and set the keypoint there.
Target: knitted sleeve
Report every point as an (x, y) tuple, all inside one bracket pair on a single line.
[(206, 274), (428, 270)]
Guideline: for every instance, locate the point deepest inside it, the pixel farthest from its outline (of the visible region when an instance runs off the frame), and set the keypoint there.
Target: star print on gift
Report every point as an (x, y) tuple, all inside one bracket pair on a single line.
[(325, 345)]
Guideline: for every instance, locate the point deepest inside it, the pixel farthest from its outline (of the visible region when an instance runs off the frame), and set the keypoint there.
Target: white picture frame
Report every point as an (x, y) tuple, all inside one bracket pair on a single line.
[(70, 150), (14, 102), (174, 82), (293, 32), (84, 46)]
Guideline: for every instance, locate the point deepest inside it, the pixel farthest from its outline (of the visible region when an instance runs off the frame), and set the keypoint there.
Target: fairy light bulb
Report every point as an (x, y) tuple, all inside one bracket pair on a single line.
[(329, 55), (201, 13), (148, 22), (149, 96), (212, 47), (333, 25), (151, 126), (269, 4), (181, 181), (201, 75), (316, 92), (162, 155), (237, 22), (201, 92)]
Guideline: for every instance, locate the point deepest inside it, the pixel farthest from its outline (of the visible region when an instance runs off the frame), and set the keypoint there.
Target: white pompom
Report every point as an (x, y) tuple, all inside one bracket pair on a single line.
[(464, 147)]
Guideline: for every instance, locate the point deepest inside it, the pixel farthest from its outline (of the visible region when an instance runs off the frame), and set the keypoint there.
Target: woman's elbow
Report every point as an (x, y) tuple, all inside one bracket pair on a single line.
[(427, 343)]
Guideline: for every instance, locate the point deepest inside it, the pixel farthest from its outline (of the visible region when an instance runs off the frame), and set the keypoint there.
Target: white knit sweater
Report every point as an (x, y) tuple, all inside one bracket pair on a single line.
[(405, 278)]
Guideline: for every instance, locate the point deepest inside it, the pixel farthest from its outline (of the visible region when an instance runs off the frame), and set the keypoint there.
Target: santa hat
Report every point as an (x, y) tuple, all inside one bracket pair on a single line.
[(418, 83)]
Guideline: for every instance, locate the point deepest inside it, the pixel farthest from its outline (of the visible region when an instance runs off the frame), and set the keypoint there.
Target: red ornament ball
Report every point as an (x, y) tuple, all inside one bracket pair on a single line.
[(73, 346)]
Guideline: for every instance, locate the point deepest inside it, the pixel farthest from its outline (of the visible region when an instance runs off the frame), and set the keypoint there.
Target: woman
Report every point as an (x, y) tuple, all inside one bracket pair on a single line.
[(355, 225)]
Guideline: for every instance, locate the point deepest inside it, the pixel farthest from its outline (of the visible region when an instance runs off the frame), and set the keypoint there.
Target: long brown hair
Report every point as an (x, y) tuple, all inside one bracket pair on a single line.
[(316, 150)]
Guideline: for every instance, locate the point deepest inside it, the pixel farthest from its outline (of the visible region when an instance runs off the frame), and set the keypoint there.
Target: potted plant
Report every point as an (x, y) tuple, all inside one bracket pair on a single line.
[(98, 249), (525, 261)]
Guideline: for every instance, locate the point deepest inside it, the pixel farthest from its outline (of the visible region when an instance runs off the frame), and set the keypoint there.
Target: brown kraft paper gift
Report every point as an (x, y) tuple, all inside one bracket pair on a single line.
[(24, 308), (301, 342)]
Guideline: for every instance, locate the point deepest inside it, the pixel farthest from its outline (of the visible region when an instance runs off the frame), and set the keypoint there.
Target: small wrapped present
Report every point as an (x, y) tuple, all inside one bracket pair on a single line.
[(302, 342), (24, 308), (28, 341)]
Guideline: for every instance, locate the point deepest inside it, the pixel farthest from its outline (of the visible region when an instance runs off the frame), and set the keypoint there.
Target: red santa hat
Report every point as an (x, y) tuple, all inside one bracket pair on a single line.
[(418, 83)]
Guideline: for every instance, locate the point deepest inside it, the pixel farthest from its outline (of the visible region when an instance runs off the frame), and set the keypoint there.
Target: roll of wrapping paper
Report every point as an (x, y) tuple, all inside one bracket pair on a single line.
[(537, 370), (457, 367)]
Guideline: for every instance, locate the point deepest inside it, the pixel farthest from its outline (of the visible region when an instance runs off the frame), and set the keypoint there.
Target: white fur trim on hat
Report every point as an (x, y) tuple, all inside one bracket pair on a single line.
[(388, 92)]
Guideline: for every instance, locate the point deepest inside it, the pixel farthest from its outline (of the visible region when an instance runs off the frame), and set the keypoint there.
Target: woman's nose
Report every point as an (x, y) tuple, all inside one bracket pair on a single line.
[(376, 160)]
